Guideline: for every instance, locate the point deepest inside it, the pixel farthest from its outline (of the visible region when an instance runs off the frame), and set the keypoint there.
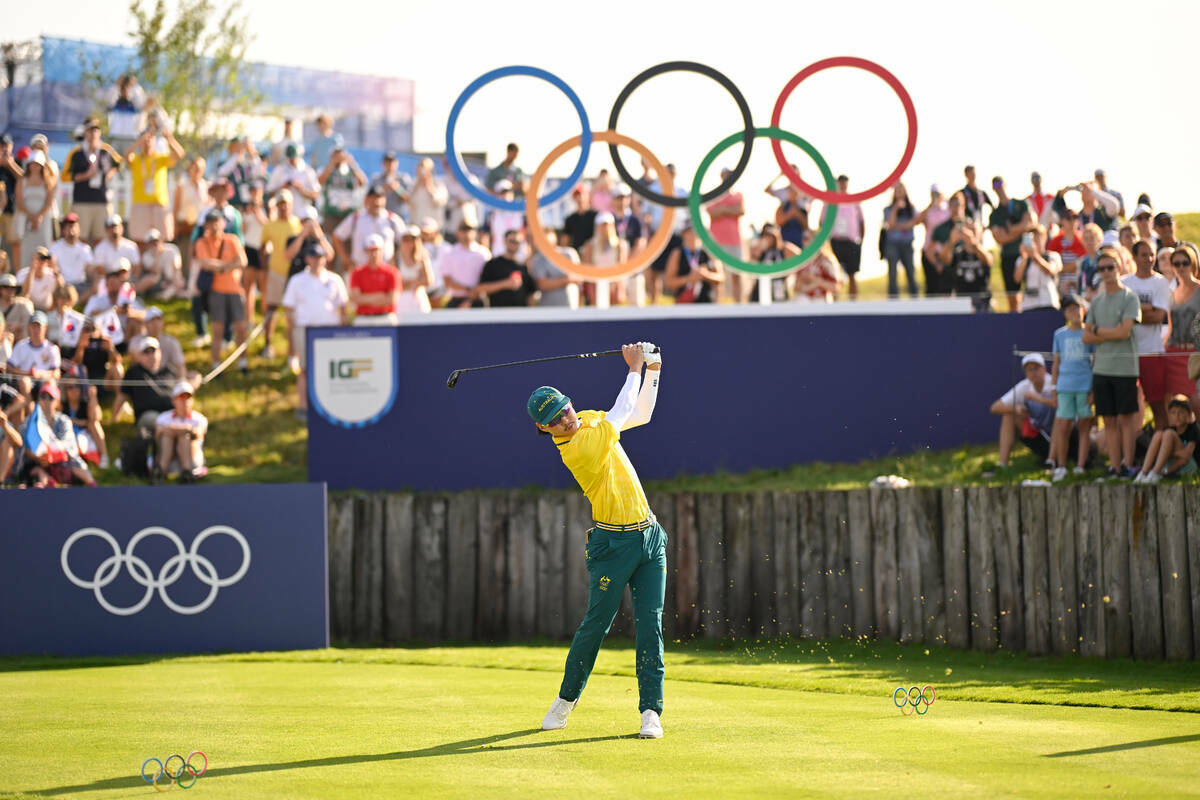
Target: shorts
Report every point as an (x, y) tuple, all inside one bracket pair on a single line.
[(1177, 381), (369, 320), (1189, 468), (1152, 375), (144, 216), (1115, 395), (92, 217), (1008, 265), (276, 284), (226, 308), (735, 251), (6, 228), (300, 345), (253, 260), (1073, 405), (849, 254)]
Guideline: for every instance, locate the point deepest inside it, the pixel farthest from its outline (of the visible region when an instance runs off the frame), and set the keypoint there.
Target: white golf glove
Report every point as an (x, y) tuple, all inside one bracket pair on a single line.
[(650, 351)]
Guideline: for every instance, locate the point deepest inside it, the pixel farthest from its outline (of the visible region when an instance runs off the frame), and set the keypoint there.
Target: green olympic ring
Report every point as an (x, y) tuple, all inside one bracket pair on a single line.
[(916, 699), (779, 267)]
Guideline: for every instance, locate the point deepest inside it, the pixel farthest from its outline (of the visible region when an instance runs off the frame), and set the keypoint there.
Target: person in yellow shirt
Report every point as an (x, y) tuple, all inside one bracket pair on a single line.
[(151, 207), (282, 228), (626, 545)]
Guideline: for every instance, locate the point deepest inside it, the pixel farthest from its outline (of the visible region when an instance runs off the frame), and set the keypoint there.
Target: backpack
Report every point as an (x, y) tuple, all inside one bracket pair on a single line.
[(136, 454)]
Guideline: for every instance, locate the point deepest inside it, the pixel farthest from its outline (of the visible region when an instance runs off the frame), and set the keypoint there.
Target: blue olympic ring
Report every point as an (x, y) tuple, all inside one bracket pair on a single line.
[(459, 169)]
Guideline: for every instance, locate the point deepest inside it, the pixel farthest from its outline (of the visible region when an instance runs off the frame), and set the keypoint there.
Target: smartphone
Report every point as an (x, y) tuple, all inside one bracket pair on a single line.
[(1027, 240)]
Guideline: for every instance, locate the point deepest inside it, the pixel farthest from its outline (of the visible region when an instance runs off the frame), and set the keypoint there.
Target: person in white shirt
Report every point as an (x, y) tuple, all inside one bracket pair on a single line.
[(161, 273), (1039, 269), (72, 255), (34, 358), (428, 196), (116, 291), (315, 296), (295, 175), (1154, 294), (108, 251), (179, 437), (373, 219), (462, 265), (436, 247), (39, 280), (501, 221)]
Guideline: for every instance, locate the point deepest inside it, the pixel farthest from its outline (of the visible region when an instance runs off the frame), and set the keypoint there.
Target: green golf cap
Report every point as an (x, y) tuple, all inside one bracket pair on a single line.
[(545, 403)]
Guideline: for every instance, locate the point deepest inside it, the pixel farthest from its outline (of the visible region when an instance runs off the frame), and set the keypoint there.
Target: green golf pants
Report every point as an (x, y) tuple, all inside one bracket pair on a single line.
[(614, 559)]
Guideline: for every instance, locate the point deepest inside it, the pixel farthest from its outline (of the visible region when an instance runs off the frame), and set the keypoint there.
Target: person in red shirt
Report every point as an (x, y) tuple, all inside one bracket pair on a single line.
[(1069, 246), (374, 286), (1038, 201)]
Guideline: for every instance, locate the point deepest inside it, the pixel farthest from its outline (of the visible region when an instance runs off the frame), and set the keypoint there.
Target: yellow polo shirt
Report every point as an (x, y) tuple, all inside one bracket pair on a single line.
[(596, 459), (150, 178)]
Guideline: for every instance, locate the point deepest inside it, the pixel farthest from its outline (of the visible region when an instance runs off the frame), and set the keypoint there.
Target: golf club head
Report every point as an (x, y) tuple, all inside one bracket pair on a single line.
[(453, 379)]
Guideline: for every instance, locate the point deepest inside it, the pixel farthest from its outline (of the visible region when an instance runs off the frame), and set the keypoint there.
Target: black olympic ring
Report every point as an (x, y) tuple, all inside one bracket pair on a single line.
[(747, 142), (914, 699)]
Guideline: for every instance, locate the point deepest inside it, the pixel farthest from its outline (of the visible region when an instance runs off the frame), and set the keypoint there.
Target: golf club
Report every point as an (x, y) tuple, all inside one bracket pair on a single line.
[(454, 376)]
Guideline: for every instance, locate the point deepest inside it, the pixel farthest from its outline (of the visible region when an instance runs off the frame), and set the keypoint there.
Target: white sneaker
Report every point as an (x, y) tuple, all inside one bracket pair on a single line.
[(651, 725), (294, 364), (202, 341), (556, 717), (1153, 477), (1078, 470), (1058, 474), (267, 352)]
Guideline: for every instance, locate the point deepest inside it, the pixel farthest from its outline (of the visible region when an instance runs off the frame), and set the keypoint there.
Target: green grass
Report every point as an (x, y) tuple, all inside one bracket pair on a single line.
[(751, 719)]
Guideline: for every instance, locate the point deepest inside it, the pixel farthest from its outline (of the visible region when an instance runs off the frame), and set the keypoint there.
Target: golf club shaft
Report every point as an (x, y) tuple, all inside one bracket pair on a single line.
[(458, 372)]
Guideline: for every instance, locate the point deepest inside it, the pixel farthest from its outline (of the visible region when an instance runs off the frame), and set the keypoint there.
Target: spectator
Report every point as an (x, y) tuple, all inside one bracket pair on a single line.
[(602, 192), (429, 196), (556, 287), (819, 278), (1110, 326), (35, 200), (151, 197), (320, 150), (39, 281), (1173, 452), (179, 437), (116, 292), (51, 454), (501, 220), (1089, 282), (960, 250), (504, 280), (1027, 411), (1038, 268), (1102, 185), (1071, 377), (792, 216), (374, 286), (725, 215), (71, 255), (1009, 221), (396, 185), (276, 234), (128, 96), (315, 296), (199, 280), (110, 251), (654, 210), (10, 440), (899, 219), (938, 280), (436, 247), (1141, 222), (146, 386), (35, 356), (17, 310), (1184, 313), (771, 249), (1099, 206), (1070, 249), (691, 276), (1154, 294), (244, 169), (254, 278), (99, 358), (507, 170), (168, 345), (160, 272), (1164, 227), (581, 223), (90, 167), (62, 319), (974, 198), (629, 225), (849, 227), (289, 137), (222, 254), (372, 219), (461, 207), (10, 175), (340, 180), (461, 267), (80, 405), (191, 195), (605, 249), (416, 273), (297, 177), (1039, 202)]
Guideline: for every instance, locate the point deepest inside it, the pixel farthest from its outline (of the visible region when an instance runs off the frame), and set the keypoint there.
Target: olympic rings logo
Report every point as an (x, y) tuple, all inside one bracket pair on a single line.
[(108, 569), (177, 776), (666, 198), (914, 699)]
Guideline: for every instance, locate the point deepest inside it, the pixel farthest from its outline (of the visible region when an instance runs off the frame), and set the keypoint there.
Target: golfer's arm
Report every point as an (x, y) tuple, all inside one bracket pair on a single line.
[(626, 403), (647, 397)]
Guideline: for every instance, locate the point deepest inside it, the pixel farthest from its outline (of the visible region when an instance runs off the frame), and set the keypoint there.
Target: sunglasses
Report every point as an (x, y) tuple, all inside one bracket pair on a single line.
[(1185, 264), (1109, 268), (559, 416)]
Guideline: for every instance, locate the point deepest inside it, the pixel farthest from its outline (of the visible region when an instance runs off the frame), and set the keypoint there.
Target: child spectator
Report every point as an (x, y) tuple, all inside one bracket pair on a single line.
[(1173, 450), (1070, 249), (1092, 239), (179, 437), (1071, 375)]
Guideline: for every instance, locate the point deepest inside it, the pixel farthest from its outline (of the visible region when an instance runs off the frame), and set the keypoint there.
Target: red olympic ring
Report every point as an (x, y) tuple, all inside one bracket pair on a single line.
[(909, 111)]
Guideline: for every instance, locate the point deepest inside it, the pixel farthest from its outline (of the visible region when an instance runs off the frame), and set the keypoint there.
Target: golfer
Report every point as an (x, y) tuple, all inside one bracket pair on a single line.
[(625, 545)]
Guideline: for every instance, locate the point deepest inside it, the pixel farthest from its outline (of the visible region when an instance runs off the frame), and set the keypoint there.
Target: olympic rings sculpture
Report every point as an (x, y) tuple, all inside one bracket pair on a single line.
[(665, 198), (914, 699), (108, 569), (176, 776)]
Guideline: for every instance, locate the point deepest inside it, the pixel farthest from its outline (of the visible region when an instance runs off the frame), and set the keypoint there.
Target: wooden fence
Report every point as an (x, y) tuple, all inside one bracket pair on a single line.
[(1102, 570)]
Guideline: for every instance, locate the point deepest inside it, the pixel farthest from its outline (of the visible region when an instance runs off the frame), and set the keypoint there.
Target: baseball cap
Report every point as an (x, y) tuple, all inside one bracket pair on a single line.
[(430, 224), (390, 155), (149, 343), (291, 151), (503, 185), (1163, 218), (377, 190), (8, 281), (42, 252), (604, 217), (38, 317), (373, 242), (213, 215), (1142, 208), (1074, 300), (314, 250), (36, 157), (1111, 239), (118, 266), (1035, 176), (153, 235), (72, 217), (91, 122), (153, 312), (183, 387), (49, 389), (1033, 358), (113, 220), (6, 139), (622, 190), (545, 403), (1099, 173), (412, 231)]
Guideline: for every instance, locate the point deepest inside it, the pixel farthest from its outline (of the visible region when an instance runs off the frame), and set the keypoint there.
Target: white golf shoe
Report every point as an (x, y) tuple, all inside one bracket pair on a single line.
[(651, 725), (556, 717)]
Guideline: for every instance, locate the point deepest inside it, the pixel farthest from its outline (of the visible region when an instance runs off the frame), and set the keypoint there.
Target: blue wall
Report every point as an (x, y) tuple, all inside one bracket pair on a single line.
[(739, 393)]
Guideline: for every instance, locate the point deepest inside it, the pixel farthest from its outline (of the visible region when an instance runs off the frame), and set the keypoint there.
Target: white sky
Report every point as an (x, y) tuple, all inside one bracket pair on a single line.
[(1008, 86)]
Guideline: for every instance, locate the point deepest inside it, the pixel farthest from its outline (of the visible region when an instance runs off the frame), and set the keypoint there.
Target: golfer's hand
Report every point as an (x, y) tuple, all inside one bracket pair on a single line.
[(632, 353), (653, 359)]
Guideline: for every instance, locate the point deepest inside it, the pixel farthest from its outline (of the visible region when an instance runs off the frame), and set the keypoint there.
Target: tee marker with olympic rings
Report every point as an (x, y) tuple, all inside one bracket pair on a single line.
[(914, 699), (174, 776)]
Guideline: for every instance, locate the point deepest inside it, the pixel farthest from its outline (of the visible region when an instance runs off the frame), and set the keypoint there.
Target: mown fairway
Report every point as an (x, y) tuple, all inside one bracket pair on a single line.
[(763, 720)]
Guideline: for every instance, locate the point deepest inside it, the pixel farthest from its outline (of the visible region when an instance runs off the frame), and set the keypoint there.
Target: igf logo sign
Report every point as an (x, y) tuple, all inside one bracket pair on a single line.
[(348, 367)]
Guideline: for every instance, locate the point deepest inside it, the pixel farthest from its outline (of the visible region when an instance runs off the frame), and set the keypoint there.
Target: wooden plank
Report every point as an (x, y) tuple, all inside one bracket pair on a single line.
[(687, 567), (1035, 569), (710, 535), (786, 562), (1145, 587), (763, 598), (1061, 579), (550, 565), (462, 556), (1089, 558), (908, 565), (1191, 510), (837, 565), (341, 566), (398, 589), (1173, 563), (929, 548), (491, 602), (739, 588), (862, 559), (887, 600), (663, 506), (429, 567), (1115, 532), (955, 567), (368, 569), (1010, 599), (520, 585), (578, 521), (982, 568), (810, 514)]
